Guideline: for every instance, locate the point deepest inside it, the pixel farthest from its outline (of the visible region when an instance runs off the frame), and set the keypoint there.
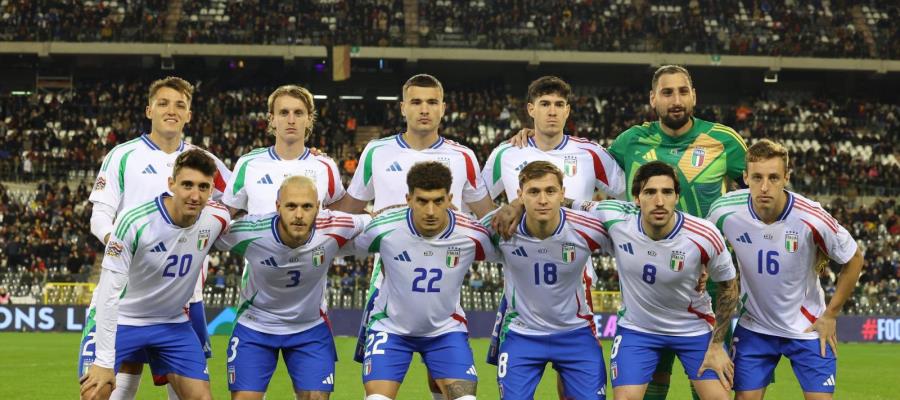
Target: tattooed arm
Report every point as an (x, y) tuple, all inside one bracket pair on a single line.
[(716, 359), (727, 301)]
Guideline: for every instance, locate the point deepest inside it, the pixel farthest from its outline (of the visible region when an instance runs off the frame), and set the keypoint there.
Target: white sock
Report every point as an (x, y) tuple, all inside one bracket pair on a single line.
[(172, 394), (466, 397), (126, 386), (377, 397), (437, 396)]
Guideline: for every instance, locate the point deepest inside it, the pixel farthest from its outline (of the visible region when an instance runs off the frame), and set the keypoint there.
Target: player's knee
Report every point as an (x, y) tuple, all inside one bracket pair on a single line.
[(126, 387), (377, 397), (310, 395)]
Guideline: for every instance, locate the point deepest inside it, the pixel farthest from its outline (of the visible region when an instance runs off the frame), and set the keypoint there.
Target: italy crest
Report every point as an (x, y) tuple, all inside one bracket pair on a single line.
[(677, 261), (570, 165), (568, 252), (202, 239), (453, 257), (791, 241), (697, 157), (318, 256)]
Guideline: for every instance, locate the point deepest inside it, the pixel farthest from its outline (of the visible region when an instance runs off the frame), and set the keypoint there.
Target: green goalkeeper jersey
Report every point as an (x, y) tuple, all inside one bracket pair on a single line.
[(702, 158)]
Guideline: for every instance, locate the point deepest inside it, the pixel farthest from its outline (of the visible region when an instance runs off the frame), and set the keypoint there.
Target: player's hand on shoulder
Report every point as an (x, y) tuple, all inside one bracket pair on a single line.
[(317, 152), (520, 139), (506, 219), (717, 360), (94, 382)]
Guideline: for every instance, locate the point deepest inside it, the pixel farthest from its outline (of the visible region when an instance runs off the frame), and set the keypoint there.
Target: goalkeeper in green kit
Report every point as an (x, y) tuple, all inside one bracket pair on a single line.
[(706, 156)]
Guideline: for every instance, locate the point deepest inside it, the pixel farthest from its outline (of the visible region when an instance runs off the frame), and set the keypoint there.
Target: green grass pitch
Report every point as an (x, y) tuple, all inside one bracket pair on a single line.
[(42, 366)]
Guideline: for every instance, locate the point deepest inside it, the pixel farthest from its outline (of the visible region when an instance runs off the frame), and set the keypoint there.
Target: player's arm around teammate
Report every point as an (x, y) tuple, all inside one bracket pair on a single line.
[(544, 268), (427, 249), (136, 250), (288, 254)]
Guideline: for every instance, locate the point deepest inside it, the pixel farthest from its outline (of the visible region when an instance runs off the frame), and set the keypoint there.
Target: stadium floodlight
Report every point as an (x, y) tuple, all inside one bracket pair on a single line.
[(351, 97), (387, 98)]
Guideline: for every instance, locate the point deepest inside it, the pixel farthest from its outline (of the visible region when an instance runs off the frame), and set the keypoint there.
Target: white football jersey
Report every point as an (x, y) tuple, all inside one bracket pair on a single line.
[(137, 171), (586, 166), (283, 288), (383, 165), (780, 290), (162, 260), (547, 288), (258, 176), (423, 276), (659, 277)]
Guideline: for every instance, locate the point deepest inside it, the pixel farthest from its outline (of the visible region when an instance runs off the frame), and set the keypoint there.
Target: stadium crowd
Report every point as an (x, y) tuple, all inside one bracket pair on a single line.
[(841, 28)]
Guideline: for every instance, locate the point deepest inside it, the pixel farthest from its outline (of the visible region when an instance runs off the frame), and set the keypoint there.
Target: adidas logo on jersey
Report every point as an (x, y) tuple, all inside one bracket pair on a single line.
[(829, 381), (404, 256), (329, 380), (395, 167), (149, 169), (745, 238), (627, 247), (471, 371), (265, 180), (520, 252), (159, 248), (522, 165), (270, 262)]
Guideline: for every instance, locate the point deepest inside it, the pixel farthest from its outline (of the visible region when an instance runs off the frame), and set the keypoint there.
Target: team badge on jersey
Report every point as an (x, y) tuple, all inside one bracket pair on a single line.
[(114, 248), (231, 374), (568, 252), (697, 157), (202, 239), (100, 184), (677, 261), (791, 241), (367, 367), (318, 256), (453, 257), (570, 165)]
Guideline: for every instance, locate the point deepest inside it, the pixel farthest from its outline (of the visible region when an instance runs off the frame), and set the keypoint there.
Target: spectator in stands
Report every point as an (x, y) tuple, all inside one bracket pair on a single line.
[(4, 295)]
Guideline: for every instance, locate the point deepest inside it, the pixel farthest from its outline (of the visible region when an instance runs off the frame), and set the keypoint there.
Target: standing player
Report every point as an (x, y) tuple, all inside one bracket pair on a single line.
[(133, 173), (288, 254), (259, 173), (549, 318), (660, 253), (426, 250), (705, 156), (776, 235), (586, 165), (157, 251), (385, 162)]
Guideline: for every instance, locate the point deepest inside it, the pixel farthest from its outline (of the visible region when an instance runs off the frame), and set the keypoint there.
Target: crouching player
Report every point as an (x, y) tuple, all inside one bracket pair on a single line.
[(288, 254), (776, 234), (548, 319), (660, 254), (156, 251)]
